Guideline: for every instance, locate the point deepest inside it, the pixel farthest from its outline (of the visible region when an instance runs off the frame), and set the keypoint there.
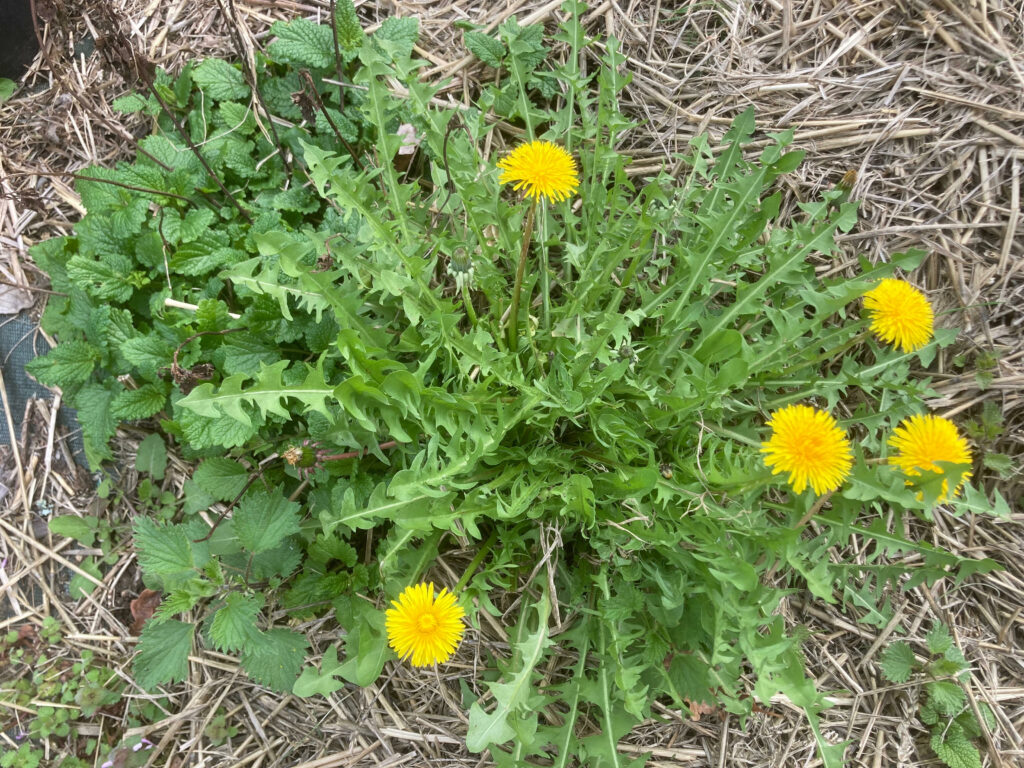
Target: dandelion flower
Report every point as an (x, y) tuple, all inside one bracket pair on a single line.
[(541, 168), (921, 441), (900, 314), (426, 629), (810, 446)]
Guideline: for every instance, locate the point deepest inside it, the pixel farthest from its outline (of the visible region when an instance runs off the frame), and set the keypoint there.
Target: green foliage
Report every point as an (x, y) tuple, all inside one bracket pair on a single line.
[(329, 344), (944, 705)]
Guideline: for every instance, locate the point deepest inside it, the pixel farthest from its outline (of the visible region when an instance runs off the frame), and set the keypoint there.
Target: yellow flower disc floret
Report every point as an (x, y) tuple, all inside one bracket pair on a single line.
[(920, 441), (425, 629), (900, 314), (540, 168), (810, 446)]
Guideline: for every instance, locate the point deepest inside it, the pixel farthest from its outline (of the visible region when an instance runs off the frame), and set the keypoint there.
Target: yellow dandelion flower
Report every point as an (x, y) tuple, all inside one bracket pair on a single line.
[(920, 441), (426, 629), (541, 168), (900, 314), (810, 446)]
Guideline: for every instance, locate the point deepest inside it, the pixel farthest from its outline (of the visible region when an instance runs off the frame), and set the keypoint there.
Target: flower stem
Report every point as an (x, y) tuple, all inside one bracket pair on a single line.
[(470, 312), (513, 317), (471, 568)]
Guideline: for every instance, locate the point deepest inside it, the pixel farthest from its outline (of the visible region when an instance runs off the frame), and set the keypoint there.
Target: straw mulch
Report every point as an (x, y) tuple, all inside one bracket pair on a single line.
[(924, 99)]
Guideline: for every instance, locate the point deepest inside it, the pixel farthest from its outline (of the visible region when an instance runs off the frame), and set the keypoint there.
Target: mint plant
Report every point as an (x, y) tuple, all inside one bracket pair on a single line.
[(943, 707), (334, 336)]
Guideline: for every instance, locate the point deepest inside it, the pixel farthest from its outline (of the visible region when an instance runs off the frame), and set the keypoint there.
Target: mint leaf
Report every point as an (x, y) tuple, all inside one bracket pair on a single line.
[(221, 81), (303, 43), (275, 658), (151, 456), (163, 653), (486, 48), (263, 519), (70, 362), (233, 626), (221, 478), (897, 662)]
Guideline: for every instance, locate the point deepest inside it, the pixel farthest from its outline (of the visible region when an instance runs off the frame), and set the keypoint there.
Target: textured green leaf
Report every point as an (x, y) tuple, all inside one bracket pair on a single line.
[(346, 22), (221, 477), (946, 696), (303, 43), (263, 519), (398, 35), (954, 749), (219, 80), (164, 550), (147, 353), (897, 662), (163, 653), (275, 658), (93, 408), (141, 403), (366, 646), (939, 640), (69, 363), (233, 626), (486, 48)]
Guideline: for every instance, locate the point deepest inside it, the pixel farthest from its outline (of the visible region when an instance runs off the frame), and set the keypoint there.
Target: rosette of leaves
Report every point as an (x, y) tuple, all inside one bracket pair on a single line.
[(616, 444)]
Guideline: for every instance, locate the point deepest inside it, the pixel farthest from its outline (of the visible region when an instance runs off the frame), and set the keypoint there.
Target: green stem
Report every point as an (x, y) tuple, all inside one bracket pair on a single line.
[(475, 563), (517, 289), (470, 312), (545, 275)]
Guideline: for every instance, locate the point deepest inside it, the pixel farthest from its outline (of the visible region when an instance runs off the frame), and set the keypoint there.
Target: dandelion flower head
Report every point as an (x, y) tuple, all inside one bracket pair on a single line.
[(540, 168), (900, 314), (922, 440), (424, 628), (810, 446)]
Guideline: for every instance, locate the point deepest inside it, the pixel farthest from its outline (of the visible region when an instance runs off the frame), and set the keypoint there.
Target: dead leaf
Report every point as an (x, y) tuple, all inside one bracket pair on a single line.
[(13, 300), (142, 608), (28, 636)]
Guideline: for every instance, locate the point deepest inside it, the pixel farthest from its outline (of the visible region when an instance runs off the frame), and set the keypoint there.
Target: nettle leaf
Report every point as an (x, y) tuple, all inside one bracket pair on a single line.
[(946, 696), (303, 43), (346, 22), (275, 658), (897, 662), (141, 403), (82, 529), (220, 80), (221, 477), (147, 353), (263, 519), (233, 626), (92, 404), (397, 36), (939, 640), (163, 653), (954, 748), (106, 278), (486, 48), (69, 363), (164, 551)]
